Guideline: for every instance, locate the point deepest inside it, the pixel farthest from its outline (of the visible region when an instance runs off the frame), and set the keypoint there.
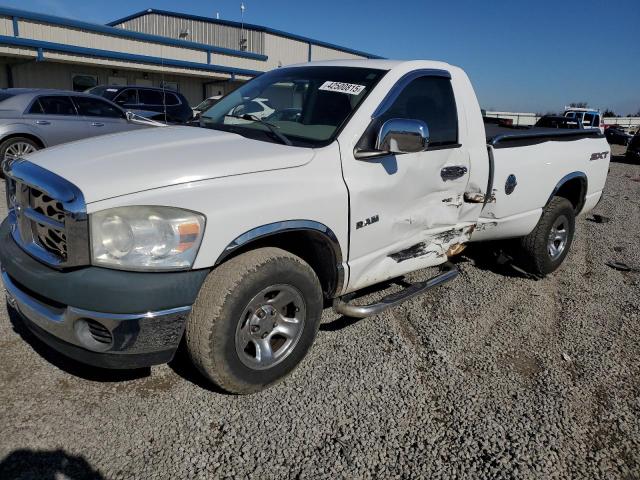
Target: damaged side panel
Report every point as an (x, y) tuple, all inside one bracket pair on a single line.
[(435, 246), (431, 250)]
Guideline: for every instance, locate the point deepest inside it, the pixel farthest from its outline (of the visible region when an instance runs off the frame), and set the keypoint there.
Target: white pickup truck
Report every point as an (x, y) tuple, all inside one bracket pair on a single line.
[(235, 236)]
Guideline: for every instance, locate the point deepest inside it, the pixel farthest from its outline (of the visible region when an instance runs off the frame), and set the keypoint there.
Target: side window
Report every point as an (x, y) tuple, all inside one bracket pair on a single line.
[(596, 121), (588, 119), (127, 97), (55, 105), (172, 99), (431, 100), (36, 107), (151, 97), (93, 107)]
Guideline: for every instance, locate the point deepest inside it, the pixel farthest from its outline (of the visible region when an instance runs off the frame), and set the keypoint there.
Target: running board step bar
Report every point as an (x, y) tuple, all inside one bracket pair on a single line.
[(343, 306)]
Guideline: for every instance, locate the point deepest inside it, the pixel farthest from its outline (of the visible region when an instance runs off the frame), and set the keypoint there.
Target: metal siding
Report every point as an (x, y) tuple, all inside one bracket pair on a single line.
[(322, 53), (200, 32), (82, 38), (141, 67), (284, 51), (17, 51), (236, 62), (6, 26)]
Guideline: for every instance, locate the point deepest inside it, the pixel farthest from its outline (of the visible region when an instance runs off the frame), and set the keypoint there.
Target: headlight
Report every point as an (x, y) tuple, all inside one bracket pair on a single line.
[(146, 238)]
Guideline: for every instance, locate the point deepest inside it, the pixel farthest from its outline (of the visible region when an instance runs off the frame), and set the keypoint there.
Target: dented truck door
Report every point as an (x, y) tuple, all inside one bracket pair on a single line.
[(409, 210)]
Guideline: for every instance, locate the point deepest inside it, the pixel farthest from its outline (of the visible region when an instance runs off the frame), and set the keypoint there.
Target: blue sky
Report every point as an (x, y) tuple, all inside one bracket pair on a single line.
[(521, 55)]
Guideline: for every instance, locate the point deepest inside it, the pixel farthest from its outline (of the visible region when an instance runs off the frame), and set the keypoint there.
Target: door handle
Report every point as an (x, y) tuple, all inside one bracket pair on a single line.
[(452, 173), (97, 124), (42, 122)]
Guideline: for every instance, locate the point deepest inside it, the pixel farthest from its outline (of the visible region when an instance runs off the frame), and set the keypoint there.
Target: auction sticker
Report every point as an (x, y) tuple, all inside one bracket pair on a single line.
[(340, 87)]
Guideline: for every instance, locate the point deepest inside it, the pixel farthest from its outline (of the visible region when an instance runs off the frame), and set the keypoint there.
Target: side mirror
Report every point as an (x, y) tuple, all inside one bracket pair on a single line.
[(129, 115), (399, 135)]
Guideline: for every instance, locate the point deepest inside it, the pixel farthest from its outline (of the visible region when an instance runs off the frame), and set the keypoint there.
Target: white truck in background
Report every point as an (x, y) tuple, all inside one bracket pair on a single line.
[(236, 235)]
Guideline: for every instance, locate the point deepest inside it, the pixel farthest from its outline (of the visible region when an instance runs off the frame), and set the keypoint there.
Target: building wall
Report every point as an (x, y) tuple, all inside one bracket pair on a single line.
[(319, 53), (281, 50), (6, 26), (60, 76), (199, 32), (83, 38), (284, 51), (112, 54)]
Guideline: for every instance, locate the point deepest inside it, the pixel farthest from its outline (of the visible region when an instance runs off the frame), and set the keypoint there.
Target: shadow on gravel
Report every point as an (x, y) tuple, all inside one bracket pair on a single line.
[(182, 366), (46, 465), (624, 159), (67, 364), (496, 257), (376, 290)]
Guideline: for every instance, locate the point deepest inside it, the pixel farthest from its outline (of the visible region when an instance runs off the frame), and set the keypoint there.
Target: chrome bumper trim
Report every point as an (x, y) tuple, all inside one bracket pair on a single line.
[(132, 333)]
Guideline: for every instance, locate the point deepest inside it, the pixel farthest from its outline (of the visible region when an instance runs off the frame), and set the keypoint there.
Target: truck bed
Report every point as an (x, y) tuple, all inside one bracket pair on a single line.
[(508, 137)]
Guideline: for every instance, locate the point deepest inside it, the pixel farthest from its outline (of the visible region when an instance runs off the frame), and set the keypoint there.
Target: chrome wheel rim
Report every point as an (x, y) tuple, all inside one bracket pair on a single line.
[(270, 326), (558, 237), (17, 150)]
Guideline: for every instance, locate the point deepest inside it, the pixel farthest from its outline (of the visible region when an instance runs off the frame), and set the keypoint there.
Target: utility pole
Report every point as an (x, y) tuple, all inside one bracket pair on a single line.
[(243, 40)]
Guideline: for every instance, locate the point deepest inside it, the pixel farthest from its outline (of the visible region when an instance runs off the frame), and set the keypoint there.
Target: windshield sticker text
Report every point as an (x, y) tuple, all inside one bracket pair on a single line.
[(340, 87)]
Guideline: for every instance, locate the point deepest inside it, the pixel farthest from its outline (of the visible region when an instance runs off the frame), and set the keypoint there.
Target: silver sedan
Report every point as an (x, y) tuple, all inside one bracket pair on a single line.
[(31, 119)]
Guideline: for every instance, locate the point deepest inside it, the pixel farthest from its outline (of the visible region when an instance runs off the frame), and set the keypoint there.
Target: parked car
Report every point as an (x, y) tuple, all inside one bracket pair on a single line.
[(588, 117), (32, 119), (233, 237), (503, 122), (154, 103), (633, 150), (258, 107), (557, 121), (205, 105), (617, 136), (286, 115)]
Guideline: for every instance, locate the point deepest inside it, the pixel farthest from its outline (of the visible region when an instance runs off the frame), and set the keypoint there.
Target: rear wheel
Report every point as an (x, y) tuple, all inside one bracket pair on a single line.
[(254, 320), (546, 247)]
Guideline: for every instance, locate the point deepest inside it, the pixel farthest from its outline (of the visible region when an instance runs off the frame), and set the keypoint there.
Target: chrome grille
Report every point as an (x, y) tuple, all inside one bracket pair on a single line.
[(48, 215), (51, 239)]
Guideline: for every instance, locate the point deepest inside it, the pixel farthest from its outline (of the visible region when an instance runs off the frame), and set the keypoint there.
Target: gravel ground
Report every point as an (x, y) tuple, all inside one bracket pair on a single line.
[(494, 376)]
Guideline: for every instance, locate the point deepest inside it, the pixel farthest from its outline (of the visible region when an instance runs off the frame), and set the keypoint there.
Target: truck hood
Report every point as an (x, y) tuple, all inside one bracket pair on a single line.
[(124, 163)]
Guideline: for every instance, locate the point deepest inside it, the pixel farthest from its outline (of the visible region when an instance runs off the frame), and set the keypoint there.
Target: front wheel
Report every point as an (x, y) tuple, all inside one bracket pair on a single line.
[(14, 148), (254, 320), (546, 247)]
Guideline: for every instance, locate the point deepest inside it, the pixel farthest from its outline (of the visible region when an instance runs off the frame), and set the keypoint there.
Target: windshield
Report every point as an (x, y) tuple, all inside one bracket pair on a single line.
[(207, 104), (307, 105)]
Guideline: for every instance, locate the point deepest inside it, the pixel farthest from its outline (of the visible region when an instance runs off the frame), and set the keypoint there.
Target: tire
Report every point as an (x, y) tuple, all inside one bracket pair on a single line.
[(539, 255), (16, 145), (220, 336)]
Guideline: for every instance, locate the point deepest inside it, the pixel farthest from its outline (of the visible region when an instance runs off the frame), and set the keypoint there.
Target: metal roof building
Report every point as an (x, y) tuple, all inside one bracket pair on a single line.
[(198, 56)]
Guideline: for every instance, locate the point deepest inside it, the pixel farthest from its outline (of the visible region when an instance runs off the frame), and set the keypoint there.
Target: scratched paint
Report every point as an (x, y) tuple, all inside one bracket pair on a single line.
[(435, 246)]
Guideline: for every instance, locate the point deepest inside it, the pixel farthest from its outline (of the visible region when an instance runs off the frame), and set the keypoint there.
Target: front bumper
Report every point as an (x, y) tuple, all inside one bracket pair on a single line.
[(107, 340), (106, 318)]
